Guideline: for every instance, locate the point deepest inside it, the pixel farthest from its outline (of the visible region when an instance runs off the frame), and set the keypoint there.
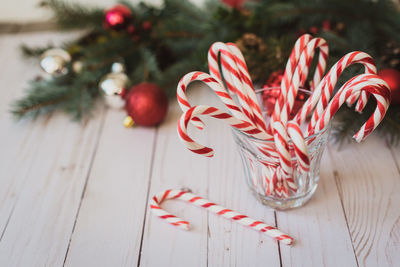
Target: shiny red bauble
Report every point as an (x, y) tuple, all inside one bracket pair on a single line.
[(392, 77), (117, 17), (237, 4), (274, 80), (146, 103)]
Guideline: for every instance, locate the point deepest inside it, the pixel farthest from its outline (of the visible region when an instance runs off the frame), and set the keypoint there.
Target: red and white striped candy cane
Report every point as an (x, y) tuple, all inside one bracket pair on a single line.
[(298, 78), (231, 74), (237, 78), (294, 57), (332, 78), (370, 83), (322, 94), (195, 111), (281, 137), (215, 86), (301, 73), (156, 201), (248, 86), (282, 147), (299, 145)]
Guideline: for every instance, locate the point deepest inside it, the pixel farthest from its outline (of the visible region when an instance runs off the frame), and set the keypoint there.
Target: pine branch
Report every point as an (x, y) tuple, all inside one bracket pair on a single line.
[(73, 15), (32, 52), (43, 97)]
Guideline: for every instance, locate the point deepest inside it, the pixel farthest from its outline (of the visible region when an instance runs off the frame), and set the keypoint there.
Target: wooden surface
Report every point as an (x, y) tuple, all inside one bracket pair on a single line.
[(76, 194)]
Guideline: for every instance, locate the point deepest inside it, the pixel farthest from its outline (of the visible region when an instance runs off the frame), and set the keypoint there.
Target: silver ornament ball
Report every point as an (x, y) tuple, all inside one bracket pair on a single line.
[(54, 61), (111, 87)]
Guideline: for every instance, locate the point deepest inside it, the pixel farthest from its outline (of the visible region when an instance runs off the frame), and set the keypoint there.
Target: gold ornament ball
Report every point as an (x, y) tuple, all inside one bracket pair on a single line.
[(111, 87), (54, 61), (128, 122)]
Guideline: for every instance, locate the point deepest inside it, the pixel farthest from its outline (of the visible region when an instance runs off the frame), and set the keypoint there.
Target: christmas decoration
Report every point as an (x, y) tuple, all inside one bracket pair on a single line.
[(156, 201), (54, 61), (128, 122), (279, 149), (117, 17), (113, 85), (237, 4), (253, 48), (392, 77), (159, 44), (146, 104), (269, 98), (274, 79), (391, 55)]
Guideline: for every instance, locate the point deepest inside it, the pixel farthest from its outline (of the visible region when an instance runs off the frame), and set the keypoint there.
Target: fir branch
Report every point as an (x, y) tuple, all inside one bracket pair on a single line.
[(73, 15), (32, 52), (43, 97)]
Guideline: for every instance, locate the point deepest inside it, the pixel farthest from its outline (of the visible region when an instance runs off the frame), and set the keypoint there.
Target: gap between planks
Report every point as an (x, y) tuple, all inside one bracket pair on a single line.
[(147, 194), (103, 117)]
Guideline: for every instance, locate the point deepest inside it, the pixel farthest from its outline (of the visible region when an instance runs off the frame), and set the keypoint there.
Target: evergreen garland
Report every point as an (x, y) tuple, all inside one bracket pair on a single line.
[(181, 34)]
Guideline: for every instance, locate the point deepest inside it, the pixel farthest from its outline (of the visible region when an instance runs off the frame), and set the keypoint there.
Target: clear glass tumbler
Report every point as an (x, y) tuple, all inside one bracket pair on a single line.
[(261, 164)]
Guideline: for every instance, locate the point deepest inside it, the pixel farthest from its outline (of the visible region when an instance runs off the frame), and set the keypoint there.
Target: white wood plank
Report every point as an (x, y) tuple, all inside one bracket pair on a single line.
[(221, 180), (17, 139), (231, 244), (392, 250), (39, 229), (176, 167), (44, 166), (109, 226), (319, 227), (369, 183)]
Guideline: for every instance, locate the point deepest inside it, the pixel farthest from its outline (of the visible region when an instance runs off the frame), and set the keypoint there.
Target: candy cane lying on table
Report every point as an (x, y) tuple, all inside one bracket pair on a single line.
[(156, 201), (195, 111), (370, 83)]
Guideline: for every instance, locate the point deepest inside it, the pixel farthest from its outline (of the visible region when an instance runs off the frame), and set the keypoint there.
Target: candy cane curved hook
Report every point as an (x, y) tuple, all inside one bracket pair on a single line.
[(204, 203), (370, 83)]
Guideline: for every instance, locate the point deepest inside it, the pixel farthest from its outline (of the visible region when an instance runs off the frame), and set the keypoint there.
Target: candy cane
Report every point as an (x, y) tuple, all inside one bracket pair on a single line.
[(237, 78), (248, 86), (299, 46), (370, 83), (156, 201), (322, 94), (299, 145), (195, 111), (298, 78), (301, 72), (215, 86), (284, 171), (231, 74)]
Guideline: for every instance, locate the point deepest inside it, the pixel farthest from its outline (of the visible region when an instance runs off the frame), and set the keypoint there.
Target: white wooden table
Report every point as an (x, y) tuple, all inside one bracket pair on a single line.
[(76, 194)]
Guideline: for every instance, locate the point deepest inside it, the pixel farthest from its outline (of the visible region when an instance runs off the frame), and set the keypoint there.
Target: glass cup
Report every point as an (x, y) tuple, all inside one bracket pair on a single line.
[(261, 165)]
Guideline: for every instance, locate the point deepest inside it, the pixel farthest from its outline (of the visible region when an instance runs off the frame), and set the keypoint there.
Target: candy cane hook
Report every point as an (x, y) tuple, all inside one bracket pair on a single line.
[(204, 203)]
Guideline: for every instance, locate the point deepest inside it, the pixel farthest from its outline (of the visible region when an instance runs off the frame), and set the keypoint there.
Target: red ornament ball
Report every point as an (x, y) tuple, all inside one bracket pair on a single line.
[(117, 17), (392, 77), (274, 80), (314, 30), (269, 98), (236, 4), (146, 25), (146, 103)]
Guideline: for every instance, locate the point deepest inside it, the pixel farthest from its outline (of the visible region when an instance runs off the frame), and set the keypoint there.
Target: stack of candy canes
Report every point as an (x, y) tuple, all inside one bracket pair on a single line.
[(281, 127), (229, 79)]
